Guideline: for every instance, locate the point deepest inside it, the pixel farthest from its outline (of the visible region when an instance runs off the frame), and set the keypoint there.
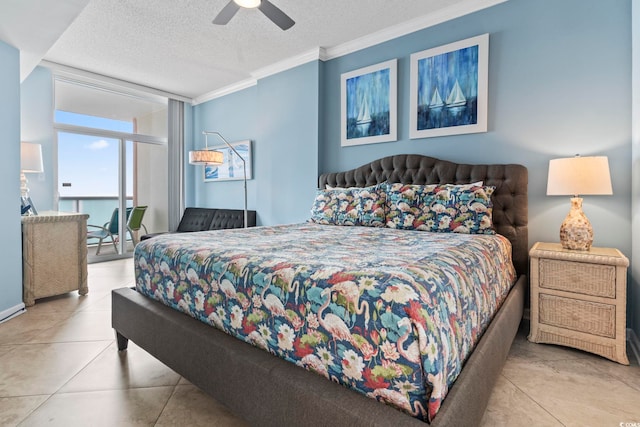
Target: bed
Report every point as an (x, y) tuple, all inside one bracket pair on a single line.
[(280, 393)]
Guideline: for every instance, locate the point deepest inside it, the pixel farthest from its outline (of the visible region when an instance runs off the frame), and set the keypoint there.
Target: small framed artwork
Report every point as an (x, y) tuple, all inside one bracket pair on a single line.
[(369, 104), (449, 89), (232, 166)]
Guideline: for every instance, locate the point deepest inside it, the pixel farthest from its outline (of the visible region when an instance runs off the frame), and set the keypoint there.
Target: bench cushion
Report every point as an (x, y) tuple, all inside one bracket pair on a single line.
[(232, 218), (196, 219)]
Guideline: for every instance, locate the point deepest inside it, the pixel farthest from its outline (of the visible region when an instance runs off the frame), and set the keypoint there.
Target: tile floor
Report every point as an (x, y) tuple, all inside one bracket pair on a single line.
[(59, 366)]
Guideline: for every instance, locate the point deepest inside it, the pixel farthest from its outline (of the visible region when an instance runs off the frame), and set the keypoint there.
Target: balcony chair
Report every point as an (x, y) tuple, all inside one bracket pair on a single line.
[(134, 222), (110, 229)]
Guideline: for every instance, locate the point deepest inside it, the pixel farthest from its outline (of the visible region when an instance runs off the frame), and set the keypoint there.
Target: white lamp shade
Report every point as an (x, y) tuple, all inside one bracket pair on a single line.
[(206, 157), (576, 176), (248, 3), (31, 157)]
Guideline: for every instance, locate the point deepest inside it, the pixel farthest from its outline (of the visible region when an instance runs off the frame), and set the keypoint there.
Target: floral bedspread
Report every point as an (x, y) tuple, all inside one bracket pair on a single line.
[(390, 313)]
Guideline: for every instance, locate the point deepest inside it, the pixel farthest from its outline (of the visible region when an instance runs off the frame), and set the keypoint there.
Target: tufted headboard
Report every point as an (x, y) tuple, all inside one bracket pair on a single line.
[(510, 210)]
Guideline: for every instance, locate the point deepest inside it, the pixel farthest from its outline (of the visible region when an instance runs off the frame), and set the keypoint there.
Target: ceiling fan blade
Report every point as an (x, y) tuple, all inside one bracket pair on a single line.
[(276, 15), (226, 13)]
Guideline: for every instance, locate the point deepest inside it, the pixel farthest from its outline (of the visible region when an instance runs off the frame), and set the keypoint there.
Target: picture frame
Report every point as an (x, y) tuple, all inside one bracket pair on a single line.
[(449, 89), (231, 169), (368, 98)]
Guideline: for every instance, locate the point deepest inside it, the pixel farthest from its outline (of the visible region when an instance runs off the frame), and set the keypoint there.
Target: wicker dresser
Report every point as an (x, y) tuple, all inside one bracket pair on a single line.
[(54, 255), (578, 299)]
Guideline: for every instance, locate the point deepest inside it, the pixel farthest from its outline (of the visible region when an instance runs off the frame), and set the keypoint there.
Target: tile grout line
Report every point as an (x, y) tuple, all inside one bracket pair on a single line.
[(26, 417), (164, 407), (110, 342), (49, 396), (534, 400)]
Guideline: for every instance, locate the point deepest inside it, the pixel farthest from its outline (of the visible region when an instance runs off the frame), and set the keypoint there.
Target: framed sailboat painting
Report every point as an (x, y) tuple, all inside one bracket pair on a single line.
[(369, 103), (449, 89)]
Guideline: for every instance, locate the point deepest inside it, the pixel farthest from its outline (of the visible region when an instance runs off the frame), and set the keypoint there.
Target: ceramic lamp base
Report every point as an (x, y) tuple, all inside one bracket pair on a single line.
[(24, 190), (576, 232)]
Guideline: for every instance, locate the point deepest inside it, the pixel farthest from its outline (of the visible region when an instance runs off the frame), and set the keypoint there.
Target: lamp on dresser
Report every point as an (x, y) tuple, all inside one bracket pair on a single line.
[(576, 176), (30, 162), (216, 158)]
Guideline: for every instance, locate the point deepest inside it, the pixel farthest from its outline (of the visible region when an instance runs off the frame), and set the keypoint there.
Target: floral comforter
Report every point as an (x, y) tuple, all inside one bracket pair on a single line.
[(390, 313)]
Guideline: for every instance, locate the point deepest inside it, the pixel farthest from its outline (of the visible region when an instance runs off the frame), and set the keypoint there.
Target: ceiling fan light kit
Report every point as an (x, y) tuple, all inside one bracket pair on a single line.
[(249, 4), (270, 10)]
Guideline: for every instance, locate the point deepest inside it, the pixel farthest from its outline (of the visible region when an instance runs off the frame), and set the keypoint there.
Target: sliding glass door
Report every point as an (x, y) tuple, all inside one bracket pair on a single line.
[(112, 156), (95, 176)]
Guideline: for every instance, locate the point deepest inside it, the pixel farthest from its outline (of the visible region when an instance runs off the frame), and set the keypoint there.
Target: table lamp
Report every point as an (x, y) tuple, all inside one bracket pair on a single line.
[(576, 176), (30, 162)]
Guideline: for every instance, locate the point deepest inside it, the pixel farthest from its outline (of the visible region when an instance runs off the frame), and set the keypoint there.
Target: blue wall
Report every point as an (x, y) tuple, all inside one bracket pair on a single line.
[(10, 236), (559, 84), (36, 97), (235, 117), (548, 97), (280, 116)]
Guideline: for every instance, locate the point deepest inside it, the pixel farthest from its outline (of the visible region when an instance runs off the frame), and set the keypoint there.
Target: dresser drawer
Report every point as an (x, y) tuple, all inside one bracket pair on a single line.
[(580, 277), (583, 316)]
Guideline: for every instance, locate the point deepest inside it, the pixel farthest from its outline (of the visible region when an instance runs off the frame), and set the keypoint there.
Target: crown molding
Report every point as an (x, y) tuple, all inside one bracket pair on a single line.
[(408, 27), (311, 55), (236, 87), (325, 54), (314, 54)]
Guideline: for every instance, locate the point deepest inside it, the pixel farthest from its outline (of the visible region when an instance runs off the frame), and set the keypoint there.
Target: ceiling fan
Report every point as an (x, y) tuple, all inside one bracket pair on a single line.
[(269, 9)]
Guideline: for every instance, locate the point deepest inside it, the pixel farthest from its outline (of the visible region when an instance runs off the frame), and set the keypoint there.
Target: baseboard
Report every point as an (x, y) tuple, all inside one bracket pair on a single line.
[(12, 312), (634, 344)]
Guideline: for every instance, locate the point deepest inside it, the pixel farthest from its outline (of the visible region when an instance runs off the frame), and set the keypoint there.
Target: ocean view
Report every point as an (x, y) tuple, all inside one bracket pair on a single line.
[(99, 209)]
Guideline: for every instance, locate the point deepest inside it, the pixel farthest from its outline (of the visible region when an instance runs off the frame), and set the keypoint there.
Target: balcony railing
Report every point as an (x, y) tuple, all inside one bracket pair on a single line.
[(99, 208)]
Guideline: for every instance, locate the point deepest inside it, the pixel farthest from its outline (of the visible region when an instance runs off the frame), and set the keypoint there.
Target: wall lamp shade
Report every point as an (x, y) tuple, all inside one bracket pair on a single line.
[(577, 176), (30, 162)]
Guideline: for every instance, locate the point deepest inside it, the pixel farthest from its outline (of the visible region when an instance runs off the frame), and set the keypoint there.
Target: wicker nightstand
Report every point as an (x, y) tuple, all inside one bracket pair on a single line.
[(578, 299)]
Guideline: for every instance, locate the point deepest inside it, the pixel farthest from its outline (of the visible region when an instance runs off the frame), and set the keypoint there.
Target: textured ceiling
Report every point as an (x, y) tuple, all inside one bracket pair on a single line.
[(173, 46)]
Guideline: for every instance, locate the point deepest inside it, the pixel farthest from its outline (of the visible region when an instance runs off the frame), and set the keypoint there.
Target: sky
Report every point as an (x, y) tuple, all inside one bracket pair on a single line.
[(90, 163)]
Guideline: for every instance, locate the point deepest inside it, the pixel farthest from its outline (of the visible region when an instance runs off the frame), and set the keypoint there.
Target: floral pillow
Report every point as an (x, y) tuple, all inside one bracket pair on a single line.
[(468, 210), (350, 206), (372, 203), (335, 207), (441, 208), (408, 206)]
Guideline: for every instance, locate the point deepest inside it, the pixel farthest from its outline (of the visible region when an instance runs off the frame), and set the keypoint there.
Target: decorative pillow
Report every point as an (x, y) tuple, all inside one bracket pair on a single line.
[(406, 205), (335, 207), (463, 208), (372, 202), (468, 210), (350, 206)]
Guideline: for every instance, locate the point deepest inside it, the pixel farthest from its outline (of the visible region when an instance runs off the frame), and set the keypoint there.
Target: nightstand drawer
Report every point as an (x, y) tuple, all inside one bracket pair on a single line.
[(580, 277), (583, 316)]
